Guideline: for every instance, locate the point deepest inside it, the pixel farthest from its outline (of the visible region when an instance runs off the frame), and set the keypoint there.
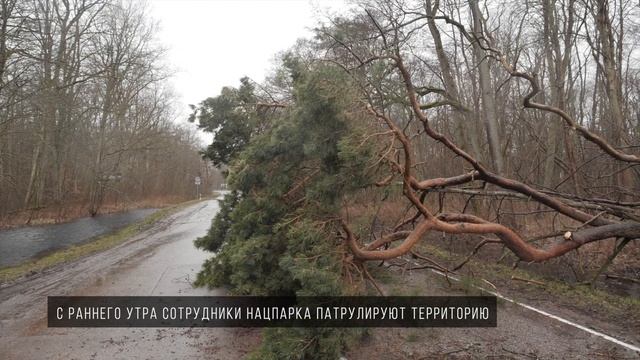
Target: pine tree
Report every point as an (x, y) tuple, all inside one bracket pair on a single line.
[(276, 231)]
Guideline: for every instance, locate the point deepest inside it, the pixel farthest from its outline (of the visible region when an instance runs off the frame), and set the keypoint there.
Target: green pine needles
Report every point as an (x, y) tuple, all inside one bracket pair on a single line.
[(276, 232)]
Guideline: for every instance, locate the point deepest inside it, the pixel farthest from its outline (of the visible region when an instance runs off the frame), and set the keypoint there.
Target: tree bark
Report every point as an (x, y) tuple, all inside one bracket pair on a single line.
[(488, 96)]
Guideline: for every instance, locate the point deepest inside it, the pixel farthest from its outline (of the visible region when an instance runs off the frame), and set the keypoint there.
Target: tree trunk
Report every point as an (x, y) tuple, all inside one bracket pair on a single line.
[(488, 101)]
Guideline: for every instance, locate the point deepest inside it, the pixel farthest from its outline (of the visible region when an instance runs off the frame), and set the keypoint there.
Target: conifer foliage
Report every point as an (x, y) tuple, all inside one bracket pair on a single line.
[(276, 230)]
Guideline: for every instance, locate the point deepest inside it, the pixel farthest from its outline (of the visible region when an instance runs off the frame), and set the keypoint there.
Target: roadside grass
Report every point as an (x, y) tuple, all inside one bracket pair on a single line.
[(101, 243), (575, 295), (72, 211), (413, 336)]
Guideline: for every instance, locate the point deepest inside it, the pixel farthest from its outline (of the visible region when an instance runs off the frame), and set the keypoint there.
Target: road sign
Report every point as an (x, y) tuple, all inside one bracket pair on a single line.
[(198, 180)]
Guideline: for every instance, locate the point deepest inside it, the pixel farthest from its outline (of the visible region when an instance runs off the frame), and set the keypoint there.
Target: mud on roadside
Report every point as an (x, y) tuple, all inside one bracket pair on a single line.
[(521, 334)]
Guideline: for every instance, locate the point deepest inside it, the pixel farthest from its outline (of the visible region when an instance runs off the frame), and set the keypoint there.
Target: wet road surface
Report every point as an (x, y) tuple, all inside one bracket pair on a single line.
[(25, 243), (521, 333), (160, 261), (163, 261)]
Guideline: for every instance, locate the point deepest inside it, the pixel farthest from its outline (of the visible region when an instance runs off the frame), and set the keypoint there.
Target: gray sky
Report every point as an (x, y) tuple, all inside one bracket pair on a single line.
[(213, 43)]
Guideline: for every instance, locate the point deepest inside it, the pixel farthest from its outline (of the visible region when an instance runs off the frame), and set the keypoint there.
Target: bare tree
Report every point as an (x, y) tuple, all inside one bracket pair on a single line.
[(398, 30), (85, 108)]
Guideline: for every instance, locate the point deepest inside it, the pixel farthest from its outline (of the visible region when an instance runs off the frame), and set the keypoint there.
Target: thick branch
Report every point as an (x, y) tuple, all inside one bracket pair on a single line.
[(484, 173), (443, 182), (584, 132), (387, 254)]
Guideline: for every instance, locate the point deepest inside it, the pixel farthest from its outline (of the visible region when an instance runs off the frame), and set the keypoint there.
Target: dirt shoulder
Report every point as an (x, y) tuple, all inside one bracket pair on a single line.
[(601, 307), (521, 333)]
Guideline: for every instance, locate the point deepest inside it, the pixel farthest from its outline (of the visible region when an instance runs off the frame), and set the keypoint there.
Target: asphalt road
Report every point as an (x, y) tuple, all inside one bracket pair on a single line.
[(521, 332), (163, 261), (159, 261)]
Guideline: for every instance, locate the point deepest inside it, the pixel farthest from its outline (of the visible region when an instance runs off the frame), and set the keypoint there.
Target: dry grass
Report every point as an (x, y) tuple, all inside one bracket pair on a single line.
[(60, 214), (528, 218)]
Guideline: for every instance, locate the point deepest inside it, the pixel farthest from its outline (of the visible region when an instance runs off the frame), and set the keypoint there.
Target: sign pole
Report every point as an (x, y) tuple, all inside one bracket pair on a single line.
[(197, 182)]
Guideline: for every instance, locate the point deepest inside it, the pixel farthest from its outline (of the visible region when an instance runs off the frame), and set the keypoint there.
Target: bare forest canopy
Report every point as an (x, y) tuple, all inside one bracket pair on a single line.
[(513, 123), (85, 110)]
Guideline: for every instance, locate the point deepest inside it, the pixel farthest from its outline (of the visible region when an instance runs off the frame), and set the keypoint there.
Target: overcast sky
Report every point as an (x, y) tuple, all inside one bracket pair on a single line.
[(213, 43)]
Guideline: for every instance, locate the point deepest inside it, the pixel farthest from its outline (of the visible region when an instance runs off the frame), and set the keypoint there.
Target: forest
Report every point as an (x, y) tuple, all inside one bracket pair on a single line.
[(504, 130), (87, 112)]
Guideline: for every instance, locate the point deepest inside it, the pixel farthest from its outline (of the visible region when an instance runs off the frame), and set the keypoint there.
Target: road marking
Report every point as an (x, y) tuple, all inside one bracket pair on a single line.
[(544, 313)]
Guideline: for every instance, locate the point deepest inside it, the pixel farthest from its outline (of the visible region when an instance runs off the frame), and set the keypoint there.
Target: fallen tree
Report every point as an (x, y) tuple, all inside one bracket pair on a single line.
[(351, 122), (395, 27)]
